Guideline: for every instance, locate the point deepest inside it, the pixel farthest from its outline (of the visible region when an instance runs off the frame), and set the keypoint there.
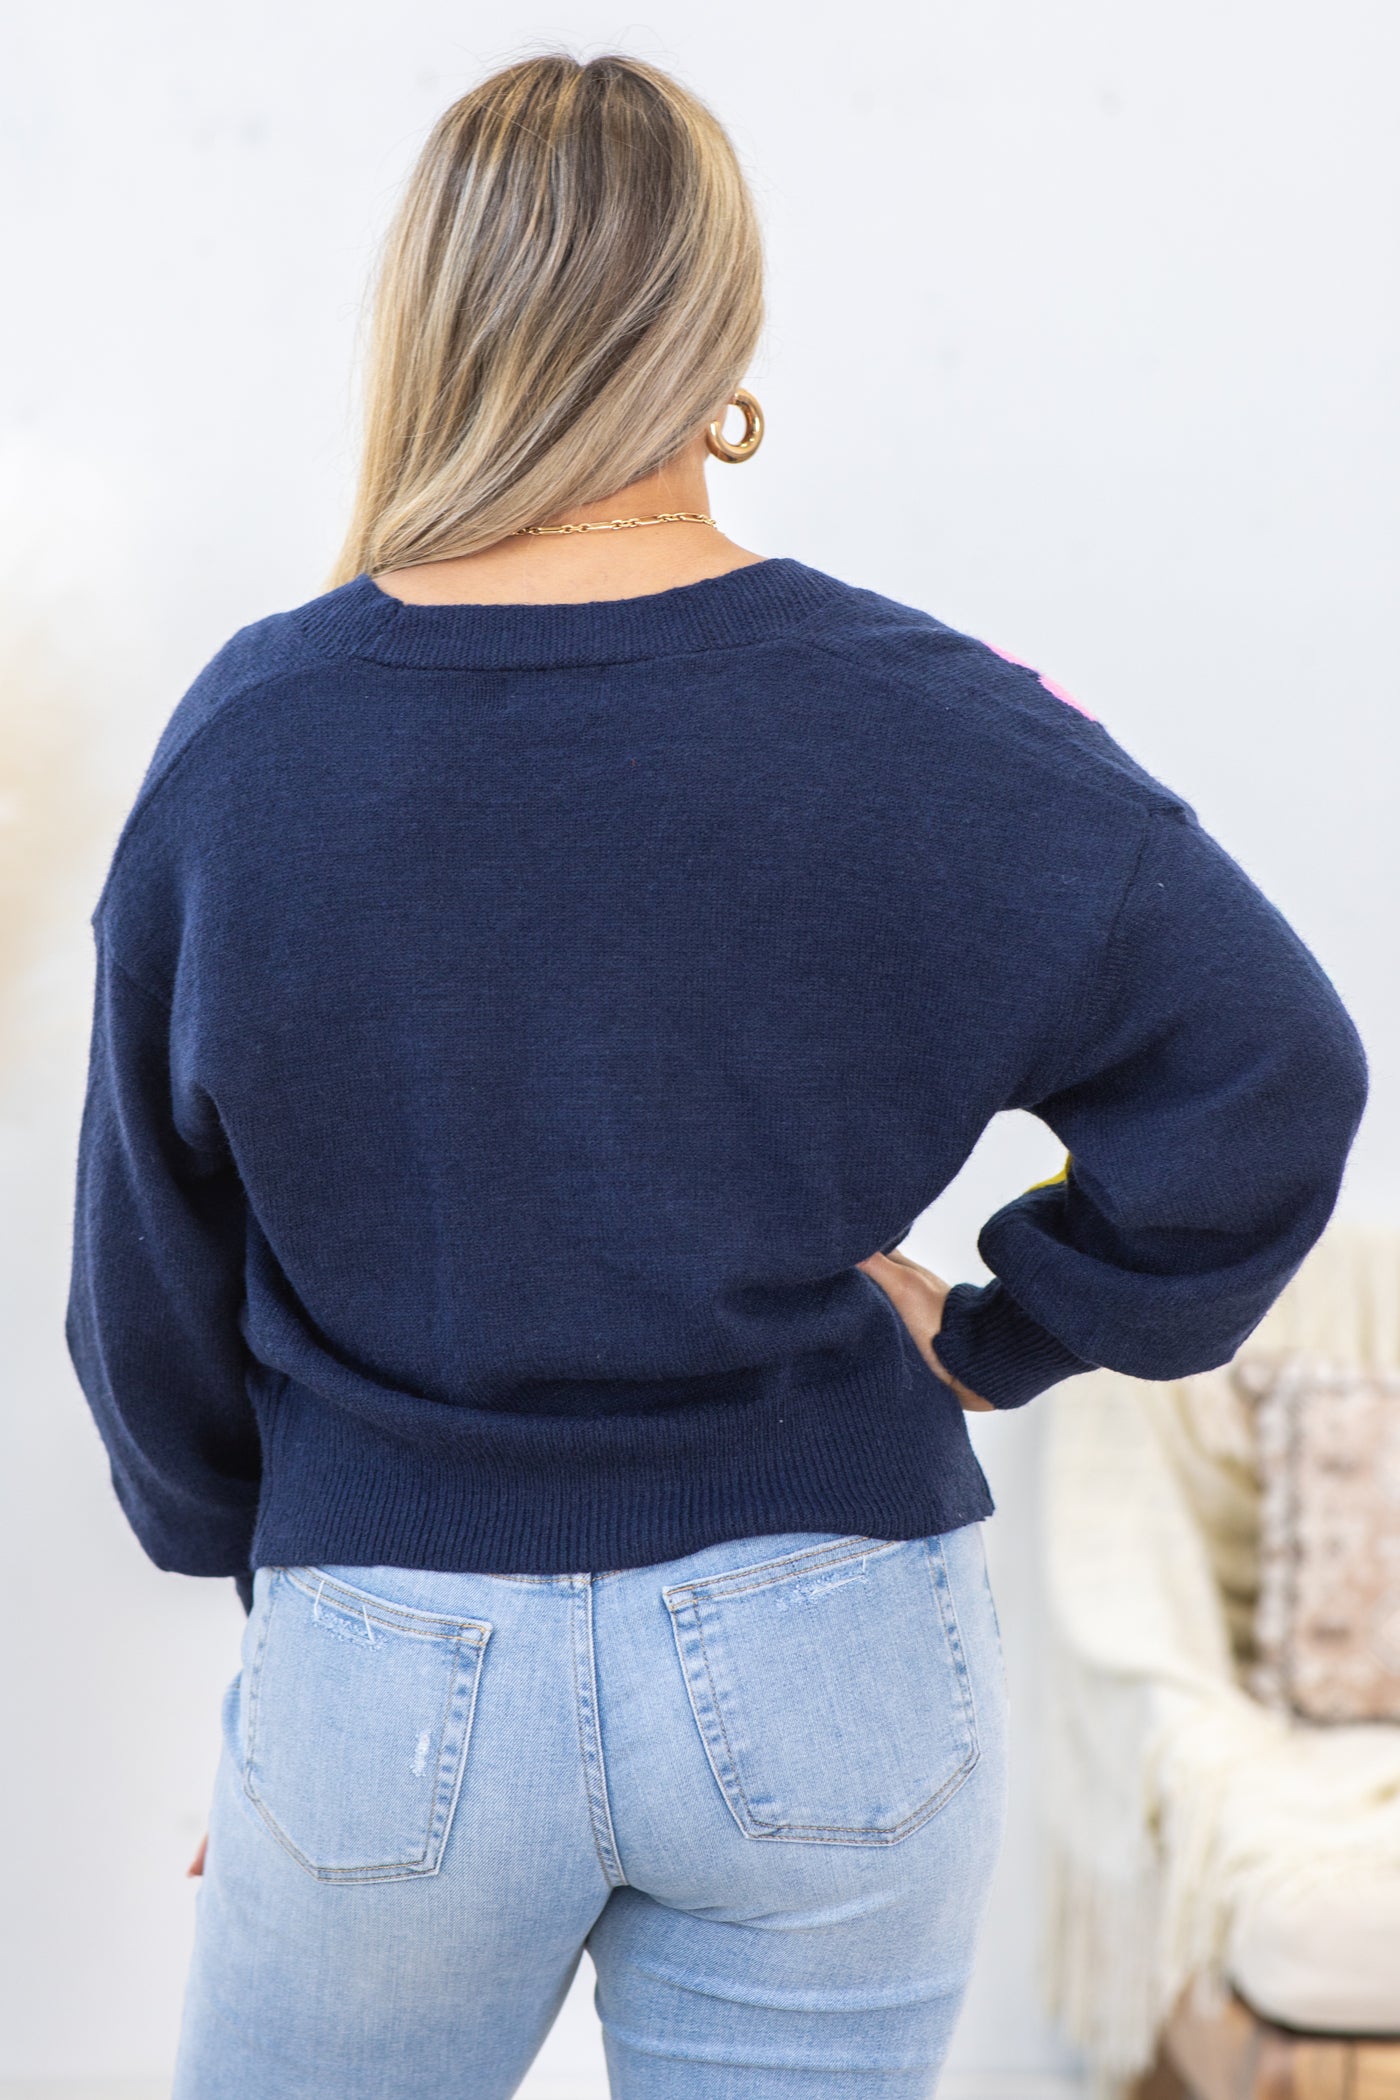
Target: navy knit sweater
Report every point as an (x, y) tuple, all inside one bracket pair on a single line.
[(515, 1022)]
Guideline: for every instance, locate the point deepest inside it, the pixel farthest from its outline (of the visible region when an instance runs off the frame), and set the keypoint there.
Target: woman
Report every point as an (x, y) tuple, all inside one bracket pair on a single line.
[(541, 980)]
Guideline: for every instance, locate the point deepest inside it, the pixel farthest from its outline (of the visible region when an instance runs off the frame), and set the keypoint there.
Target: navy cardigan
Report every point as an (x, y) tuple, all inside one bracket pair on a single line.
[(514, 1023)]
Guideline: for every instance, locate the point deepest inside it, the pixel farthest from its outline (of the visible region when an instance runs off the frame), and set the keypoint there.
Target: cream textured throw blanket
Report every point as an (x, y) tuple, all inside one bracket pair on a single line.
[(1171, 1795)]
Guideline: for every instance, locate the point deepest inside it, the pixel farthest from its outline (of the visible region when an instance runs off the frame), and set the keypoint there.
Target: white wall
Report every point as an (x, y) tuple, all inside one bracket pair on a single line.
[(1081, 324)]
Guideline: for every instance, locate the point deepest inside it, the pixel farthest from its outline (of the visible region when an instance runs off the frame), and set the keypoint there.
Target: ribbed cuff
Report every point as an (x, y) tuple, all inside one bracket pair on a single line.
[(244, 1586), (989, 1345)]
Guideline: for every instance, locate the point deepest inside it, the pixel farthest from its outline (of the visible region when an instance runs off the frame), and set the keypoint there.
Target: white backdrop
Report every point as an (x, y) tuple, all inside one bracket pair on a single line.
[(1083, 337)]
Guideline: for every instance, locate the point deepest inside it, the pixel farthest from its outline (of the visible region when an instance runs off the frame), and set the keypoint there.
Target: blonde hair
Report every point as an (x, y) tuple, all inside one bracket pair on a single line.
[(571, 287)]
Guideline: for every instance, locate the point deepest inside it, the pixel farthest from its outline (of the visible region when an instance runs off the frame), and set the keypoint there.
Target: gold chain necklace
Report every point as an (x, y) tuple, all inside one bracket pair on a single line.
[(665, 517)]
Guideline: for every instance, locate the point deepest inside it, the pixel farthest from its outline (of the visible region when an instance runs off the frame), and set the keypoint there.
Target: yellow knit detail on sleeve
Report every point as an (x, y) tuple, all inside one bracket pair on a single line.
[(1051, 1179)]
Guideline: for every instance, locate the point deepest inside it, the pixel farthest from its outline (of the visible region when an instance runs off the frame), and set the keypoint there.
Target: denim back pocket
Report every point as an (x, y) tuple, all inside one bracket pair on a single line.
[(830, 1689), (358, 1717)]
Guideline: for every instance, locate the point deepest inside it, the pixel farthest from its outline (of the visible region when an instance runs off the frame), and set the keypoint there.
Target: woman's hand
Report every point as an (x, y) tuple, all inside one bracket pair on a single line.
[(196, 1865), (917, 1296)]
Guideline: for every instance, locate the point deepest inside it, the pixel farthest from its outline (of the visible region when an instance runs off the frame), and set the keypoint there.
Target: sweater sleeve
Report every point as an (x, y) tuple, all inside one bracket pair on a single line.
[(156, 1291), (1208, 1103)]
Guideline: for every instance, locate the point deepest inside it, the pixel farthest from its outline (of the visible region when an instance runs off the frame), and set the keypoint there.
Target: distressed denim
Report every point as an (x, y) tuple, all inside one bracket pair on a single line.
[(763, 1785)]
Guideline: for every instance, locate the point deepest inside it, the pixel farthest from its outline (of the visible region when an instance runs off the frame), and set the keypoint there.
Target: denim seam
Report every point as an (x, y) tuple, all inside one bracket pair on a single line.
[(589, 1741), (467, 1637), (718, 1712), (838, 1833), (449, 1811), (773, 1571), (380, 1870), (399, 1618), (389, 1870), (835, 1833), (254, 1678), (957, 1646)]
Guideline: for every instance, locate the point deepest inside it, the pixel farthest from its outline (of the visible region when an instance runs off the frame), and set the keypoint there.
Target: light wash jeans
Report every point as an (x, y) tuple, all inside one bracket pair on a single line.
[(763, 1785)]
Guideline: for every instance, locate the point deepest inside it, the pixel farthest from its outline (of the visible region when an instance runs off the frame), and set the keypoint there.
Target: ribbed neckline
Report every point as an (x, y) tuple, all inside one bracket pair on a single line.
[(744, 605)]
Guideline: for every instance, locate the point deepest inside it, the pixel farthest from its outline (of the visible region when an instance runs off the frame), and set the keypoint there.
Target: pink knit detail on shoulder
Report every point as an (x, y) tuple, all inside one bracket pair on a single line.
[(1048, 683)]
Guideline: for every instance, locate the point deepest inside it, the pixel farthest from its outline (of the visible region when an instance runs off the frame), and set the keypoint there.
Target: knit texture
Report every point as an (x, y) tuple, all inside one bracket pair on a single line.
[(514, 1023)]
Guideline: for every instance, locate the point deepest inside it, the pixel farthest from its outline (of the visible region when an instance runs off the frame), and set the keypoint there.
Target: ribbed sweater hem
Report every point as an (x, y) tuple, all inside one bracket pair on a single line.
[(626, 1491), (994, 1347)]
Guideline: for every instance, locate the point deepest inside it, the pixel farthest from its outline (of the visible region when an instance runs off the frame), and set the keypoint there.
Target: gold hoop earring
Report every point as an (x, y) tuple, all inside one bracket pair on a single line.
[(721, 446)]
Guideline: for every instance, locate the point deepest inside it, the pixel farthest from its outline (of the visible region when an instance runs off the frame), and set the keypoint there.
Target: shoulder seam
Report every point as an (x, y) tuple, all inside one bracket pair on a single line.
[(157, 998), (1147, 800), (153, 788)]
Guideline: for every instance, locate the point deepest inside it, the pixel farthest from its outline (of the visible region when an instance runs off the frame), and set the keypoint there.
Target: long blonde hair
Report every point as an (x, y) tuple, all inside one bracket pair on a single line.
[(571, 287)]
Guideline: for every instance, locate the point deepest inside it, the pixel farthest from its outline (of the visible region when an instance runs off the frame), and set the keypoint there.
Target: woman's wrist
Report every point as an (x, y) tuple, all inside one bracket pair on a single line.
[(973, 1402), (918, 1296)]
